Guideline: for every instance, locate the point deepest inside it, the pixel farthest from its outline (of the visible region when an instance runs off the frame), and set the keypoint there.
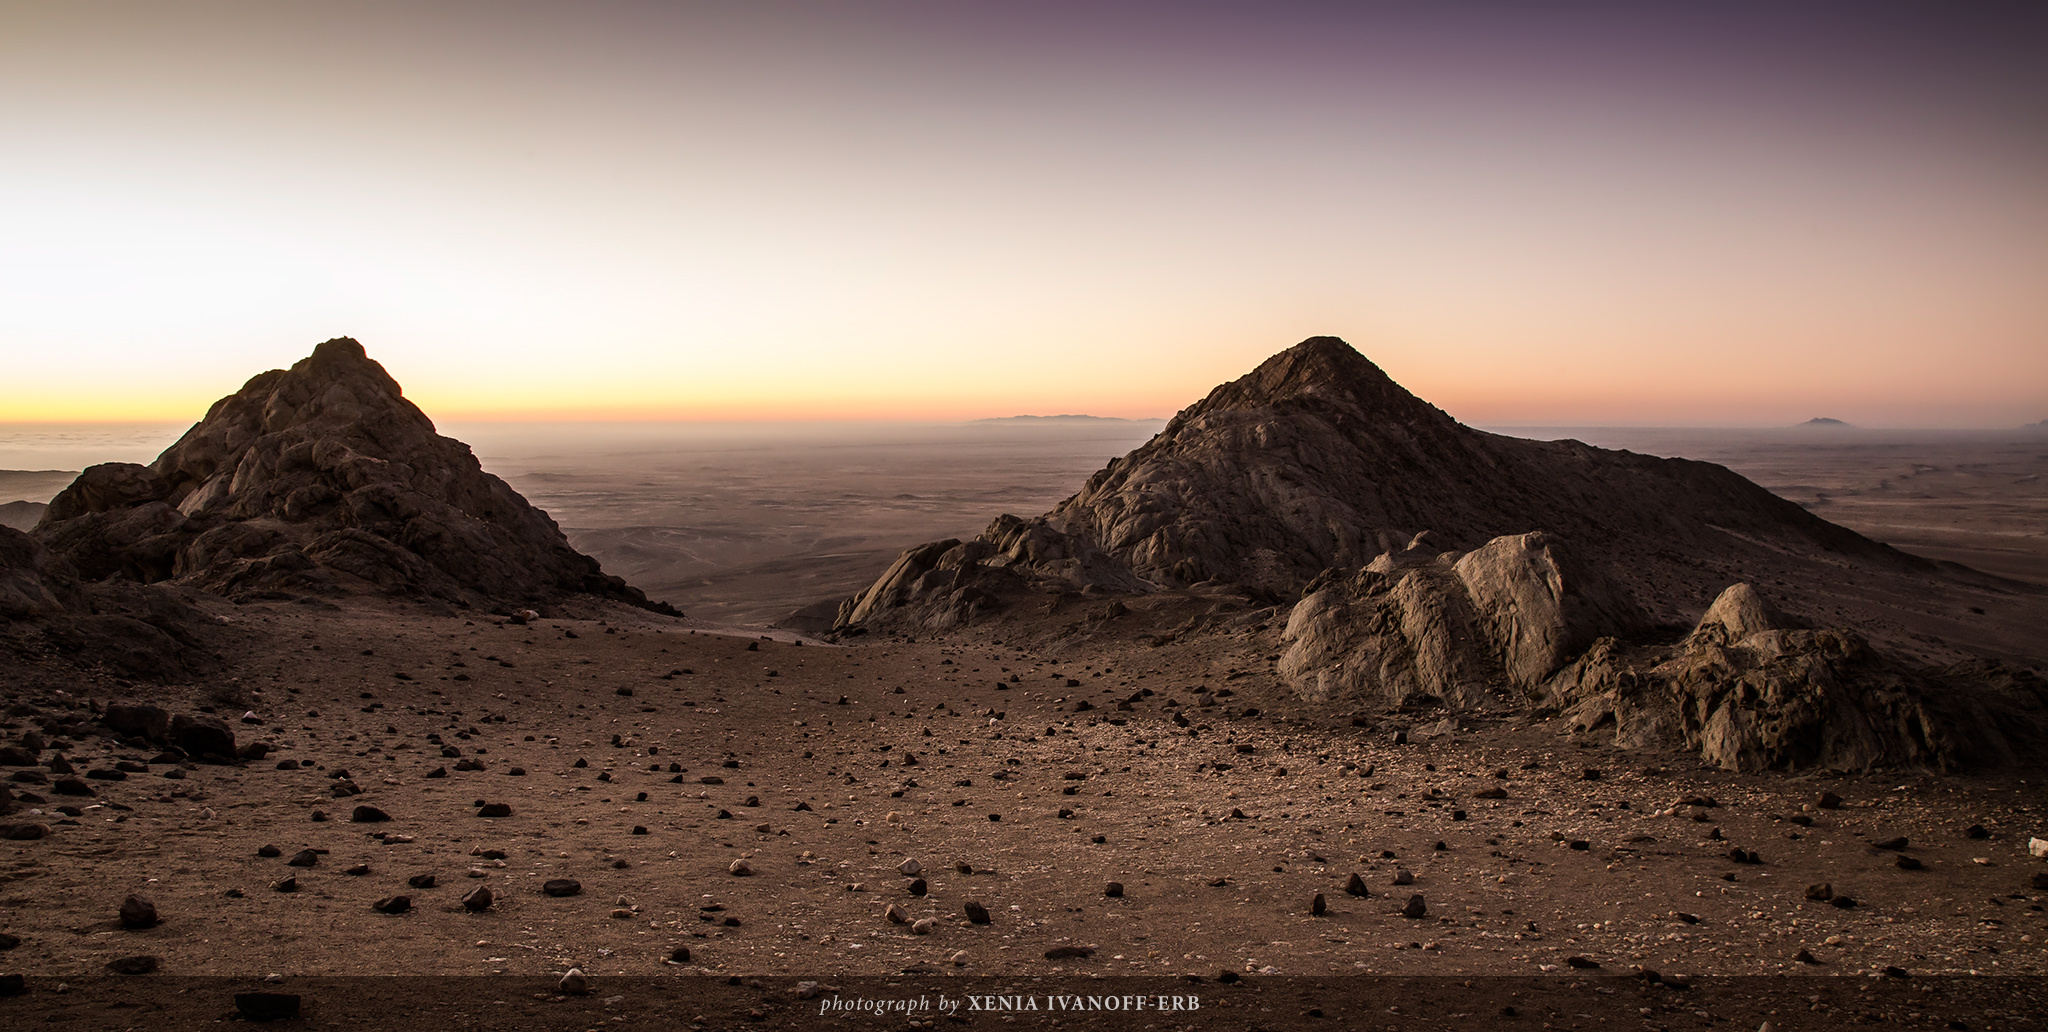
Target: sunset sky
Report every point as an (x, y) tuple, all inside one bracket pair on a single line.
[(1650, 214)]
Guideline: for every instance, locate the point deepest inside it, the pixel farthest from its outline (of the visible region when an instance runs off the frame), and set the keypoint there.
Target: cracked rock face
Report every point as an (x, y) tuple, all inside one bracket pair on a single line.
[(321, 478), (1470, 631)]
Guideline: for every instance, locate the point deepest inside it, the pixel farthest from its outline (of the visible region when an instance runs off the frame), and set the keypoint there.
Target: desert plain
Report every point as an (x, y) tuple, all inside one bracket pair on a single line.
[(1030, 806)]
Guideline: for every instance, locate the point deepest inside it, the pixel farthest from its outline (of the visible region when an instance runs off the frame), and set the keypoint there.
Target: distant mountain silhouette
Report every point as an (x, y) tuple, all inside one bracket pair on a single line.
[(1826, 421), (21, 515)]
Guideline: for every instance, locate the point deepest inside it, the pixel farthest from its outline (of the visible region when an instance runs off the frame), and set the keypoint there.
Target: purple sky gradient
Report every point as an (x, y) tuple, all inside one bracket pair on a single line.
[(1555, 213)]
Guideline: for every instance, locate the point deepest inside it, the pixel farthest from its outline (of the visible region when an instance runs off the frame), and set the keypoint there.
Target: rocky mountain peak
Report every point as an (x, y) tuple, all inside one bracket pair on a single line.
[(320, 478), (1324, 372), (1316, 460)]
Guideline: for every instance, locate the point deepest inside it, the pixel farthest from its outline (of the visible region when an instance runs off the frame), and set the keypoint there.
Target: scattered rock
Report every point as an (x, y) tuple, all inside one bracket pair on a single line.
[(1114, 890), (1416, 907), (574, 983), (739, 868), (304, 858), (202, 734), (392, 905), (976, 913), (138, 912), (1070, 953), (420, 881), (368, 815), (142, 965), (1356, 887), (562, 887), (494, 810), (1318, 906), (481, 897)]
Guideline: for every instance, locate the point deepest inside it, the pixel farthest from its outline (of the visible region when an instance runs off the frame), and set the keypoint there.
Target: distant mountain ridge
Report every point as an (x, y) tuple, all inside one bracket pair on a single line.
[(21, 515)]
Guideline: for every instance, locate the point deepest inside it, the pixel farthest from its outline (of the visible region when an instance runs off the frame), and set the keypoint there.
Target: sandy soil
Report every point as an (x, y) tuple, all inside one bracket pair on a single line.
[(798, 759)]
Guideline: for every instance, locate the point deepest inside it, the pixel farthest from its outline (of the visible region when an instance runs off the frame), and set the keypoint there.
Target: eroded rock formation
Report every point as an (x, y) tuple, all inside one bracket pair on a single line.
[(1477, 630), (321, 478)]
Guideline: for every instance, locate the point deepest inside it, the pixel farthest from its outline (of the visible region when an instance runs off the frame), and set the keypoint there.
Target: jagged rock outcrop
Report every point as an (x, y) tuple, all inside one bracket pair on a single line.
[(321, 478), (1750, 690), (1471, 631), (1316, 461)]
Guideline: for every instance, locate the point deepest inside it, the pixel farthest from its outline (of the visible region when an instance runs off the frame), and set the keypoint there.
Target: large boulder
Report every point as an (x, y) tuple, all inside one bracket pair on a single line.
[(321, 478), (1419, 626), (138, 720), (202, 734)]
